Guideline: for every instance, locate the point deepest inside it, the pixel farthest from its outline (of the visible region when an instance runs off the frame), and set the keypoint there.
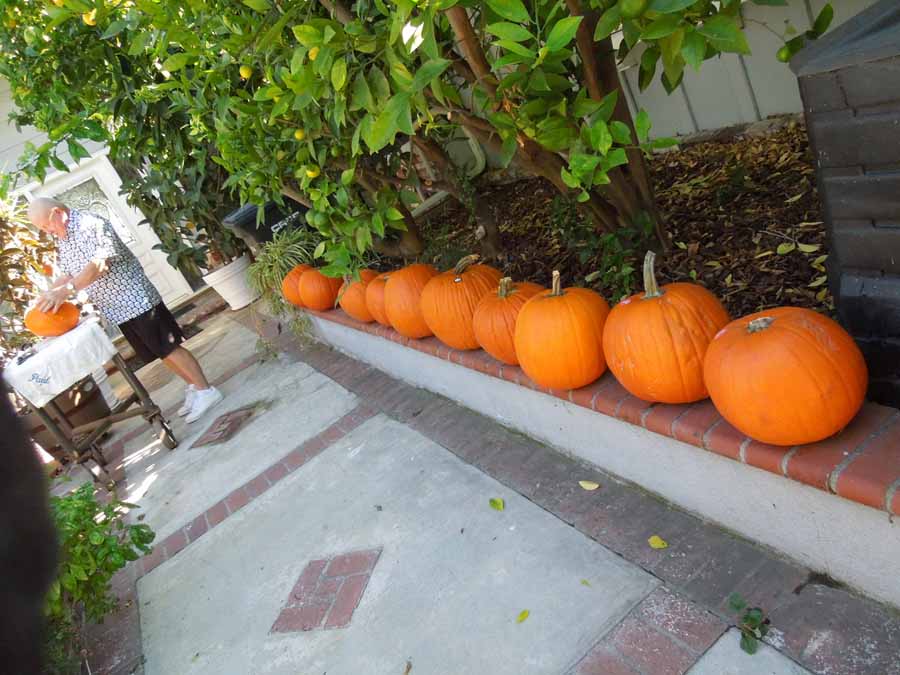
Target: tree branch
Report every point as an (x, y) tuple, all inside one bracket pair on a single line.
[(470, 48), (337, 10)]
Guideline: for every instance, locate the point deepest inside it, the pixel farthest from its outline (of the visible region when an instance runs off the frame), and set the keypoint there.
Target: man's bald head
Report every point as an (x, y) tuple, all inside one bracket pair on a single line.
[(49, 215)]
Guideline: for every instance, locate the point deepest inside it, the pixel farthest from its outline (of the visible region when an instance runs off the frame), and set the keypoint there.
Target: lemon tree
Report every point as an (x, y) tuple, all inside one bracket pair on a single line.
[(324, 102)]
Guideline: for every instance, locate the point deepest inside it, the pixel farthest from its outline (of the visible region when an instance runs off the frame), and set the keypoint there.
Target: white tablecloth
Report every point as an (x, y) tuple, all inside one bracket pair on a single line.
[(60, 362)]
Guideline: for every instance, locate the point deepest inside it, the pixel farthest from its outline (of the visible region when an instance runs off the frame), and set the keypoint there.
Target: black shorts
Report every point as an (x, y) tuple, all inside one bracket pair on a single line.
[(153, 334)]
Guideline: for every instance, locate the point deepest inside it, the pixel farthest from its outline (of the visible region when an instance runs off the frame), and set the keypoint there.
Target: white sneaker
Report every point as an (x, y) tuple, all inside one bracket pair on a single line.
[(204, 399), (185, 408)]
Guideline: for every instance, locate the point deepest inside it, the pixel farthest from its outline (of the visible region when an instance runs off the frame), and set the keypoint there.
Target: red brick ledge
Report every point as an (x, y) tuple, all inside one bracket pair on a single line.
[(862, 463)]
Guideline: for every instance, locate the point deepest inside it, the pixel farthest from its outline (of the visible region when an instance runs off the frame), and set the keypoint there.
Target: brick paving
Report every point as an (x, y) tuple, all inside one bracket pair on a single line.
[(827, 629), (327, 592)]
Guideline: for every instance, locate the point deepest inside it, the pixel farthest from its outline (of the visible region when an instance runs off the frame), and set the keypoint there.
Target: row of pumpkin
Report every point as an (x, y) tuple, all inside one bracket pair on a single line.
[(786, 376)]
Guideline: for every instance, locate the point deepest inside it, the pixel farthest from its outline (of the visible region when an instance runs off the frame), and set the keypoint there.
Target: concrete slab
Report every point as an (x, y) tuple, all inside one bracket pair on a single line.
[(172, 487), (223, 344), (453, 576), (727, 658)]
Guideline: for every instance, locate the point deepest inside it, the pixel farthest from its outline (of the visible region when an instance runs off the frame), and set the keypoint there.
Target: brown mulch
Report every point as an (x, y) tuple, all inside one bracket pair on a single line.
[(743, 218)]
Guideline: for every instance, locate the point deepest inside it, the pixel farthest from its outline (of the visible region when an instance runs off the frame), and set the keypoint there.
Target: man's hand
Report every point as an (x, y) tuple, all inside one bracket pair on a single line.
[(51, 300)]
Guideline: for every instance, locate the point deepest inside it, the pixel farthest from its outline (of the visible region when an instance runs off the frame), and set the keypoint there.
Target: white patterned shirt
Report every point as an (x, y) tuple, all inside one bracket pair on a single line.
[(123, 291)]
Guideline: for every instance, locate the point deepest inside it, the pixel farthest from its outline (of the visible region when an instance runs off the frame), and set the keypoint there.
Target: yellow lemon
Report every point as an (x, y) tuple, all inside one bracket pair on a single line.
[(246, 72), (313, 172), (313, 53), (90, 18), (299, 134)]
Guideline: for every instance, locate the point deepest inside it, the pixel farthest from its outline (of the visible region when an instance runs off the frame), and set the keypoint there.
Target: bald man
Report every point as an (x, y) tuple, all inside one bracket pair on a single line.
[(93, 258)]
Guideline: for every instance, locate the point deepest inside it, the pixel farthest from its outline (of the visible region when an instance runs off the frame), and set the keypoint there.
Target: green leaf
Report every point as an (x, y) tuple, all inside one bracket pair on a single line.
[(608, 105), (663, 143), (664, 25), (648, 67), (583, 165), (524, 614), (600, 137), (823, 21), (393, 214), (508, 150), (749, 643), (113, 29), (562, 33), (771, 3), (320, 249), (516, 48), (667, 6), (339, 74), (176, 62), (514, 10), (555, 134), (258, 5), (785, 248), (621, 132), (77, 150), (693, 50), (361, 95), (308, 36), (642, 125), (736, 602), (428, 71), (569, 179), (724, 34), (58, 164), (615, 157), (380, 86), (608, 23), (497, 503), (510, 31)]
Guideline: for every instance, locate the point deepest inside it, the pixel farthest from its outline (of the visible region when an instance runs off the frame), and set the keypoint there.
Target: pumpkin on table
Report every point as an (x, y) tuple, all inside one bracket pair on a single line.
[(317, 291), (559, 336), (449, 300), (375, 298), (51, 324), (402, 300), (352, 296), (290, 285), (494, 320), (786, 376), (655, 341)]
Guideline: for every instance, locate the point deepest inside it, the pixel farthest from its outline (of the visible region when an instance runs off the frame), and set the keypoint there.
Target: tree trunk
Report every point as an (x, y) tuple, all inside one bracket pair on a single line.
[(451, 183)]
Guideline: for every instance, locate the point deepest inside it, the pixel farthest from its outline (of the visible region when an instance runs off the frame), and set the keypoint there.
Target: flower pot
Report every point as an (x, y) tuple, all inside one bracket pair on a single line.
[(232, 283)]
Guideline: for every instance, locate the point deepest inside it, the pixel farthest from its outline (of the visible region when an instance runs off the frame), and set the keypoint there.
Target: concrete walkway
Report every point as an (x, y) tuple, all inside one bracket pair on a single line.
[(347, 529)]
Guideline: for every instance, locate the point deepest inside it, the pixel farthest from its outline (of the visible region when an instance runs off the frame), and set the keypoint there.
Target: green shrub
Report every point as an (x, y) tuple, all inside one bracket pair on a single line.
[(95, 542)]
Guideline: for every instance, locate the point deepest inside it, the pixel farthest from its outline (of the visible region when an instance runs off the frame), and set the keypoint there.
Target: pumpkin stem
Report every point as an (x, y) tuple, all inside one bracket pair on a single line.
[(556, 286), (505, 287), (465, 263), (760, 324), (651, 288)]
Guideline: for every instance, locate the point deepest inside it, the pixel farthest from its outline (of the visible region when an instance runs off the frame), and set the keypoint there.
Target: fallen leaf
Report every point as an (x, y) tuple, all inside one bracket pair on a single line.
[(818, 281), (809, 248), (408, 669), (795, 198), (497, 503), (588, 485), (785, 248), (765, 254), (585, 582), (657, 542), (821, 295), (524, 614)]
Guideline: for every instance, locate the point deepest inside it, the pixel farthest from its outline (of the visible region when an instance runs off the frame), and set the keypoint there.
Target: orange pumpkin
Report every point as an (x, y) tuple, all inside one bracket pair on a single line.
[(559, 336), (51, 324), (786, 376), (494, 321), (290, 283), (375, 298), (402, 295), (655, 341), (353, 296), (317, 291), (449, 300)]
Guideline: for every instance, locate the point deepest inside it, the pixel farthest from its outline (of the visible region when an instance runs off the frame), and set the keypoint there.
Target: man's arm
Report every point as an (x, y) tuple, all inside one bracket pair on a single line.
[(67, 286)]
